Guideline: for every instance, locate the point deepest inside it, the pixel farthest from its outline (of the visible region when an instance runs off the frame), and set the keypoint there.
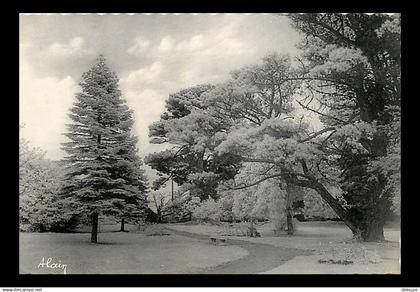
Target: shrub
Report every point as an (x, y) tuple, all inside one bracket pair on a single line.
[(208, 210), (348, 254), (181, 209)]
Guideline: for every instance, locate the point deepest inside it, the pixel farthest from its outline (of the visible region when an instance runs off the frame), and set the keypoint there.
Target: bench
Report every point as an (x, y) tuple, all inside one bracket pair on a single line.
[(218, 240)]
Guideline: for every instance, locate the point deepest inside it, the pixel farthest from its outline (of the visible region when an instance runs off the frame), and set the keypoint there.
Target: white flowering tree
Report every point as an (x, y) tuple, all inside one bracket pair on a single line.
[(40, 207)]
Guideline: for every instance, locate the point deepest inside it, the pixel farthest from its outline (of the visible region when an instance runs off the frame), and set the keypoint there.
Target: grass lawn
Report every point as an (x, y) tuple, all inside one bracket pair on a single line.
[(326, 240), (121, 253), (138, 252)]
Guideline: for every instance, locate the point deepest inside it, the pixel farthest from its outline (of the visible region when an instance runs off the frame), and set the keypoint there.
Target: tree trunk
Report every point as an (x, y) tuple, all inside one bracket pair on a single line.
[(94, 233), (122, 225), (371, 226), (172, 188), (289, 208), (290, 228), (363, 228), (159, 216), (333, 203), (374, 231), (252, 231), (366, 225)]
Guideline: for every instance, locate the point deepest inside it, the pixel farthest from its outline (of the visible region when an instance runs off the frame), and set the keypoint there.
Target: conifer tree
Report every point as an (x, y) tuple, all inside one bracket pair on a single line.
[(104, 174)]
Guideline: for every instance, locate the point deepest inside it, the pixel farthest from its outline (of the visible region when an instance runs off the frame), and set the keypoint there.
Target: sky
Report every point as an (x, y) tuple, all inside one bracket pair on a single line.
[(153, 55)]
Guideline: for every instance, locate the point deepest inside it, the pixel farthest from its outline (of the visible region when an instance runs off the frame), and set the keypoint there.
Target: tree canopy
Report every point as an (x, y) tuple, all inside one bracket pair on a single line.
[(103, 170), (348, 76)]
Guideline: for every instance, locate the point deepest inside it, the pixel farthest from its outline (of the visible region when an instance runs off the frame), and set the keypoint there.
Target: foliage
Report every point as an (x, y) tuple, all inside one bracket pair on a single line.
[(316, 208), (208, 210), (181, 208), (203, 185), (390, 165), (197, 119), (348, 76), (271, 202), (193, 133), (103, 170), (343, 254), (40, 208), (352, 65)]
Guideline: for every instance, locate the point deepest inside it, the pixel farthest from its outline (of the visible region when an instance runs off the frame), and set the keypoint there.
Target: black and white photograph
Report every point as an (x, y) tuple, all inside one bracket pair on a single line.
[(209, 143)]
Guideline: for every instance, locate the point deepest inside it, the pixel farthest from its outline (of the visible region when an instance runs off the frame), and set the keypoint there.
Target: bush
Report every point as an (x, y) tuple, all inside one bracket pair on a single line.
[(208, 210), (343, 254), (52, 221), (65, 225), (41, 208), (181, 209)]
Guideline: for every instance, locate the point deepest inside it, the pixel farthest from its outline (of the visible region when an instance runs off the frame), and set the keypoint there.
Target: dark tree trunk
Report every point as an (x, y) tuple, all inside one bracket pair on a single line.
[(290, 228), (159, 215), (371, 225), (368, 225), (94, 233), (252, 231), (172, 188), (373, 232), (122, 225), (325, 195), (290, 189)]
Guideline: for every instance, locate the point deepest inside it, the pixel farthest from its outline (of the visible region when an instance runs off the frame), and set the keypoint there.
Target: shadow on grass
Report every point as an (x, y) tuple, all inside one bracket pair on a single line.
[(107, 243)]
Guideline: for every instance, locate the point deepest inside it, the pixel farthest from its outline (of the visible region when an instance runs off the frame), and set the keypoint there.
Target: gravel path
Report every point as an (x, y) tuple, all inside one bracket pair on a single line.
[(261, 258)]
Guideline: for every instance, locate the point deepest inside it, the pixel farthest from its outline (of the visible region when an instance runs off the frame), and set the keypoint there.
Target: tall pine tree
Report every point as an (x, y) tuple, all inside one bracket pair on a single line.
[(104, 174)]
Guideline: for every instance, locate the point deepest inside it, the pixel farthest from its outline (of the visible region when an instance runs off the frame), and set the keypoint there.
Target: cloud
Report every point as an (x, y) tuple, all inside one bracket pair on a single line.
[(74, 47), (202, 57), (176, 63), (179, 63), (194, 43), (143, 90), (61, 59), (148, 105), (142, 77), (153, 55), (197, 42), (43, 107), (166, 44), (141, 44)]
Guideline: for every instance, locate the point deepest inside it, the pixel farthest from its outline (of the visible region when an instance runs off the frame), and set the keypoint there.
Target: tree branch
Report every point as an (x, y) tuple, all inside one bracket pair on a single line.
[(316, 134), (318, 112), (255, 183)]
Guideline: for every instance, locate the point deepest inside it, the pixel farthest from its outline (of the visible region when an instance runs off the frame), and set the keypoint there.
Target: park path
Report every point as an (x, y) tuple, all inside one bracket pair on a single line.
[(261, 257)]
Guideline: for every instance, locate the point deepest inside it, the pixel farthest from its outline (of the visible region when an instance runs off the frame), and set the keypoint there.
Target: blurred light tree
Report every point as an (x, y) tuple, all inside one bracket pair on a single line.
[(40, 207)]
